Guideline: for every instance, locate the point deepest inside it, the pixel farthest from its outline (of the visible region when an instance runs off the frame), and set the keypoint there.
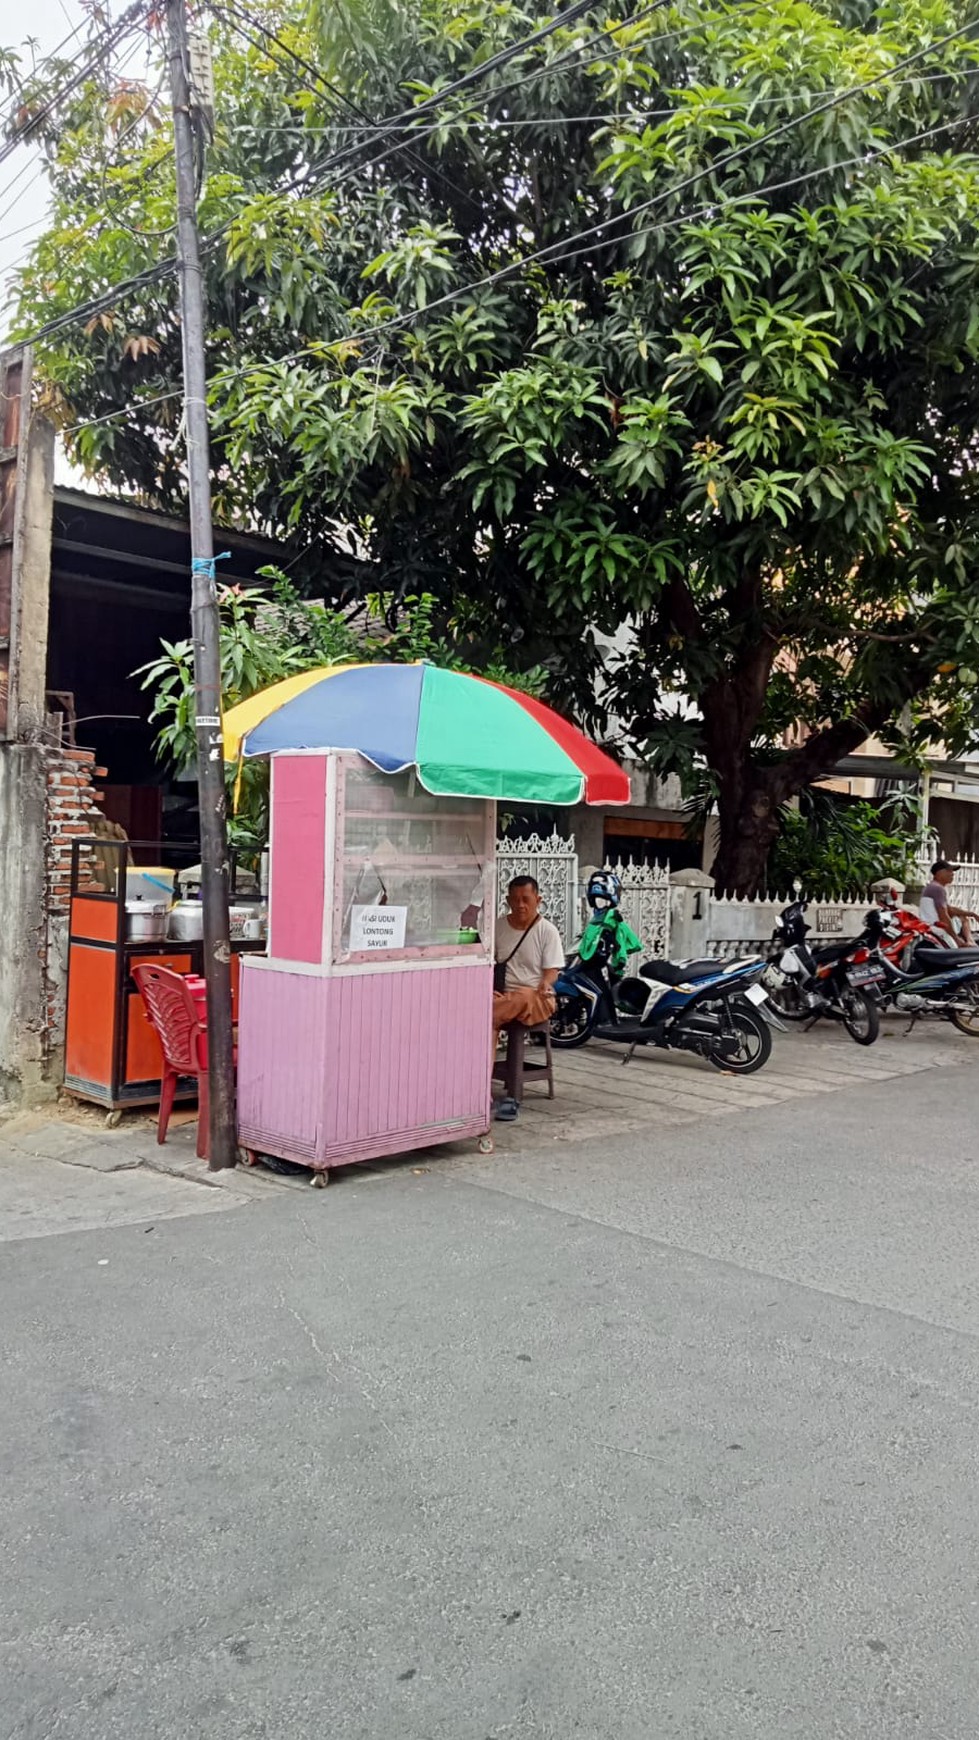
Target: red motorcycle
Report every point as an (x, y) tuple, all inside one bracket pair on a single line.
[(900, 933)]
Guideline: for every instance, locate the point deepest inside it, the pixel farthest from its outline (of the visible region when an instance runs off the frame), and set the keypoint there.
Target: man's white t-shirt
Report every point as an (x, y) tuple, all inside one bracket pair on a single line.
[(933, 902), (540, 951)]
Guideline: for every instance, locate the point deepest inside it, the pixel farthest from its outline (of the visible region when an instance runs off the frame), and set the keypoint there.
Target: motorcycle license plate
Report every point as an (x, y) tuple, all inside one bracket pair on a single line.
[(756, 994), (867, 975)]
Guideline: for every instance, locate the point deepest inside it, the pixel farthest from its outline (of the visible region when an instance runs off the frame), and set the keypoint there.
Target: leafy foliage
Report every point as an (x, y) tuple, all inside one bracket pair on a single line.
[(839, 847), (728, 421)]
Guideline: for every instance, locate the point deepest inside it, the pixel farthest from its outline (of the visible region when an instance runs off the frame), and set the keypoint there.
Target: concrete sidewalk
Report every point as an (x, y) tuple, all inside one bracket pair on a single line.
[(61, 1170), (596, 1094)]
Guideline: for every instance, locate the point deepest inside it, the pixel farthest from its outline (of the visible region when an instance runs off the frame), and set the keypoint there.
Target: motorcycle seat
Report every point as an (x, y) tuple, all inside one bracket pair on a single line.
[(674, 973), (938, 960), (834, 951)]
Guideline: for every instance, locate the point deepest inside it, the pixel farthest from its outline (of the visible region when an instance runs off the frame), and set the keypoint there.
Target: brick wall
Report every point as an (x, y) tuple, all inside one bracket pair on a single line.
[(72, 811)]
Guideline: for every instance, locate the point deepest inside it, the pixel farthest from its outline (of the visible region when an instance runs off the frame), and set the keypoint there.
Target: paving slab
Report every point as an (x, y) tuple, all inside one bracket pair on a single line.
[(659, 1091), (40, 1196)]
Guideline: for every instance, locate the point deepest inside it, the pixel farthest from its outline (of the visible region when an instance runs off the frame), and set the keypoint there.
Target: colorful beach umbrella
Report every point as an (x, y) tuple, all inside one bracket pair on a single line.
[(466, 736)]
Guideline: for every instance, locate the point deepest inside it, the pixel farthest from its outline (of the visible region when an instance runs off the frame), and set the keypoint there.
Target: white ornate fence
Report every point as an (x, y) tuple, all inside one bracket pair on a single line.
[(734, 924), (965, 889), (554, 862), (646, 907)]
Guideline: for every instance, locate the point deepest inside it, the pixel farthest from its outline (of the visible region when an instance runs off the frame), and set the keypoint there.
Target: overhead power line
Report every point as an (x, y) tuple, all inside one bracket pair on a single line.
[(711, 207), (639, 118), (12, 183), (334, 91), (95, 56), (477, 74), (577, 59), (164, 268), (553, 251), (336, 160), (439, 98), (48, 61)]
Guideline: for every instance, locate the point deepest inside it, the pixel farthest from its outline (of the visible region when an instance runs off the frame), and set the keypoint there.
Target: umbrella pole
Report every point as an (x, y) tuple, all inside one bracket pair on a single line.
[(205, 621)]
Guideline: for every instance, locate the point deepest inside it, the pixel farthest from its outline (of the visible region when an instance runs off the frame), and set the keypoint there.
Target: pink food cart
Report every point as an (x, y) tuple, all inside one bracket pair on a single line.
[(366, 1029)]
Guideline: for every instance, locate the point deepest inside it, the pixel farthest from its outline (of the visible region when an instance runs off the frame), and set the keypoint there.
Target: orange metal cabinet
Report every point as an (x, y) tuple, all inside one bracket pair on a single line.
[(112, 1054)]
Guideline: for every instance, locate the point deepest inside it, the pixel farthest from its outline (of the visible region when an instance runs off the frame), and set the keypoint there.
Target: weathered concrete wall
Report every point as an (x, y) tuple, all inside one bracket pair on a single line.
[(23, 923), (587, 829)]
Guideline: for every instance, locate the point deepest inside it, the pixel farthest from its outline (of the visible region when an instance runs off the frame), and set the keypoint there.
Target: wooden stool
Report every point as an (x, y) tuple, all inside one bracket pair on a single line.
[(517, 1068)]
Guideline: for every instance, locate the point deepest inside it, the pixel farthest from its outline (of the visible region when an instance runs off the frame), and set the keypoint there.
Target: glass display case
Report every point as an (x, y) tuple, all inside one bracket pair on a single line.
[(411, 868)]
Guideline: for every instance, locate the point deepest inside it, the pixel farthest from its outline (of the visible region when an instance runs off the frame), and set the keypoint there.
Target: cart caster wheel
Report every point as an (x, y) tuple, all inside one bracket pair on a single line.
[(247, 1157), (113, 1120), (486, 1145), (320, 1179)]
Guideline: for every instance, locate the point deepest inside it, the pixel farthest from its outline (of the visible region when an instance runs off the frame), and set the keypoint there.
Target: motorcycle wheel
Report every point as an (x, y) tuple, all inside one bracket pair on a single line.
[(861, 1016), (571, 1023), (756, 1044), (967, 1023), (785, 996)]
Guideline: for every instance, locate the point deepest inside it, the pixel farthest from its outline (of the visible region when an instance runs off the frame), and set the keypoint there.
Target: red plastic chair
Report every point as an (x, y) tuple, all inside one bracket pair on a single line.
[(176, 1007)]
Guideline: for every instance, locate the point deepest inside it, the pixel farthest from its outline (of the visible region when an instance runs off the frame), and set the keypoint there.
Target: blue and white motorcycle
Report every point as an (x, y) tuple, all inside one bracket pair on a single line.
[(713, 1008)]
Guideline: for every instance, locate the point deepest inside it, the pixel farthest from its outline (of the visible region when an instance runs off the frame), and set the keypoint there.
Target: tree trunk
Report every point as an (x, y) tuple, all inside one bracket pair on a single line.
[(746, 798), (749, 797), (748, 827)]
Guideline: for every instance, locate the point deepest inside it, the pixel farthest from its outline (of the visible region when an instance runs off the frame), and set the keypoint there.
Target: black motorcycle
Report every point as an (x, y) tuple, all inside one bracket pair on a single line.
[(837, 982)]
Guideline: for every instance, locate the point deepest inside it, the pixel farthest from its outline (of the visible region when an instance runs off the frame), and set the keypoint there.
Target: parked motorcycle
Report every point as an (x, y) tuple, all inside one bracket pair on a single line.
[(837, 982), (715, 1008), (709, 1007), (922, 977)]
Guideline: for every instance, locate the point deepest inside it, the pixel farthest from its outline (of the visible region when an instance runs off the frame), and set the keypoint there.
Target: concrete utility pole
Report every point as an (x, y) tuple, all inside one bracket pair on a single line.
[(204, 615)]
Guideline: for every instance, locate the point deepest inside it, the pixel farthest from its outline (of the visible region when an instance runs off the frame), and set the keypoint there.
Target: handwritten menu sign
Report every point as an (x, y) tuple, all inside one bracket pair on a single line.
[(377, 927)]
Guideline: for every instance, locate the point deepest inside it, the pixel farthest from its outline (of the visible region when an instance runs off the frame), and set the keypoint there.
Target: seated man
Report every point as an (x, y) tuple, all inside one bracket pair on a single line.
[(530, 946)]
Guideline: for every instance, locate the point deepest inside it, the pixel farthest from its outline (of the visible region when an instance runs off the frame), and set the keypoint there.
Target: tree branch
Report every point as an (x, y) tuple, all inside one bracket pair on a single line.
[(823, 750), (678, 610)]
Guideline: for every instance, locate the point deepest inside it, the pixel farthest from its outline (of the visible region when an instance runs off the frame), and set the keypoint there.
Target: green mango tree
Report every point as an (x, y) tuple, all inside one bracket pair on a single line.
[(649, 352)]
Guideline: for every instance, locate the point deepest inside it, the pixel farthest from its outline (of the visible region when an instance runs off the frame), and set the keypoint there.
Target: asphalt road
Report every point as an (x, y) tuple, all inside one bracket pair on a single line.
[(671, 1439)]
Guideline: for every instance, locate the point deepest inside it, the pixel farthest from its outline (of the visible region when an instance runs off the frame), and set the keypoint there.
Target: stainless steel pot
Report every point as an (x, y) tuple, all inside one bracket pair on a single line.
[(146, 920), (186, 921)]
